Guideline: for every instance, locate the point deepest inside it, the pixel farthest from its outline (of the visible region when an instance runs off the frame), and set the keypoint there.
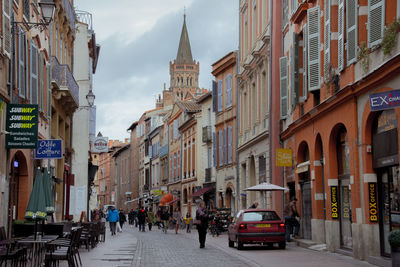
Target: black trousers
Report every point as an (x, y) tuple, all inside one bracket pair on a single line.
[(150, 225), (202, 234), (113, 225)]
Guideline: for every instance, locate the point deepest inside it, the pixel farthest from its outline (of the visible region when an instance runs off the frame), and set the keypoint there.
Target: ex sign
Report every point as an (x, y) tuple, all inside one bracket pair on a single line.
[(385, 100)]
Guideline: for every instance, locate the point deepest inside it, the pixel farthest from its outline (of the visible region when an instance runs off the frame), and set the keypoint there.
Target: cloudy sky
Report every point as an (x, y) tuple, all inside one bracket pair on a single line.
[(138, 40)]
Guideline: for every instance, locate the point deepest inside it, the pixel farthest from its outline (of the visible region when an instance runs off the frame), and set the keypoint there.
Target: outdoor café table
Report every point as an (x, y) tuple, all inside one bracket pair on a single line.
[(37, 247)]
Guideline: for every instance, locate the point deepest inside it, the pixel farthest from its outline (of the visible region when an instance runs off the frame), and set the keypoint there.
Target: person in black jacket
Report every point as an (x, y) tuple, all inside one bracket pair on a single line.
[(165, 217), (202, 223), (142, 219), (122, 218)]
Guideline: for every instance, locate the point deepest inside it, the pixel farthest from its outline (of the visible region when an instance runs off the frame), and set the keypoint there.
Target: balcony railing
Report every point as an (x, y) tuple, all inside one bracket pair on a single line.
[(62, 75), (163, 151), (69, 10)]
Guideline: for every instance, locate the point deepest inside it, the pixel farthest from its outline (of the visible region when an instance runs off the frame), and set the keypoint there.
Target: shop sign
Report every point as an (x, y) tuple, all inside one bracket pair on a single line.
[(346, 203), (100, 144), (22, 126), (334, 203), (385, 100), (372, 203), (49, 149), (283, 157), (158, 192)]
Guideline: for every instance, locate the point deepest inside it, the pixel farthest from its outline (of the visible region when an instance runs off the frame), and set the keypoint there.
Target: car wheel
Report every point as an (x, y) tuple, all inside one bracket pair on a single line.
[(231, 243), (239, 244), (282, 245)]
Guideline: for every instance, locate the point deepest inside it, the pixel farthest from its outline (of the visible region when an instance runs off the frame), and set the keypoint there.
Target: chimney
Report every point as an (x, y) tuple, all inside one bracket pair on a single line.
[(110, 143), (126, 140)]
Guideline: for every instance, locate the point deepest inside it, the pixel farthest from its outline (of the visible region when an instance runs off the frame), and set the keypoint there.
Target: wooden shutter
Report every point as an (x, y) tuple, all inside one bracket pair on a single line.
[(283, 86), (225, 146), (229, 90), (340, 35), (376, 21), (214, 96), (34, 81), (305, 91), (220, 148), (21, 63), (351, 23), (6, 27), (215, 149), (314, 55), (41, 78), (219, 95), (294, 70), (230, 144), (327, 38), (48, 70)]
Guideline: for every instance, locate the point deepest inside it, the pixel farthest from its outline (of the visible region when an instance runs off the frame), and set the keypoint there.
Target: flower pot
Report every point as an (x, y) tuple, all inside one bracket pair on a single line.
[(395, 256)]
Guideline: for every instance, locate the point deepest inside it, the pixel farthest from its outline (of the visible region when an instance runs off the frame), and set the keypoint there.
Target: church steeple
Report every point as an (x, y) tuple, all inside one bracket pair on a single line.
[(184, 55)]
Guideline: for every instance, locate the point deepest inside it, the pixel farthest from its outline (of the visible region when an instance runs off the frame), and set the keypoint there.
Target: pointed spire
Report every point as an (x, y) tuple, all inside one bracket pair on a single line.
[(184, 54)]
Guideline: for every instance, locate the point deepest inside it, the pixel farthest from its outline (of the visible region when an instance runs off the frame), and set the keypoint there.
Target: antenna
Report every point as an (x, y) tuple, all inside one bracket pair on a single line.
[(184, 12)]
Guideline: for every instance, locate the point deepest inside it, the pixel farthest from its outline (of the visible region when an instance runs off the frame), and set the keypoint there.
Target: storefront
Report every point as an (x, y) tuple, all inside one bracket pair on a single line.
[(386, 165)]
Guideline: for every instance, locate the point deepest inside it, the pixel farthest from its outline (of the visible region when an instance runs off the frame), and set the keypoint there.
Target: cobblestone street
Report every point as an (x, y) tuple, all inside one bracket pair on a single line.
[(135, 249)]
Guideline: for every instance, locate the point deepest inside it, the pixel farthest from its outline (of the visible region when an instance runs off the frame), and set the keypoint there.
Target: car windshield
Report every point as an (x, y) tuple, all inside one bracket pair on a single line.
[(252, 216)]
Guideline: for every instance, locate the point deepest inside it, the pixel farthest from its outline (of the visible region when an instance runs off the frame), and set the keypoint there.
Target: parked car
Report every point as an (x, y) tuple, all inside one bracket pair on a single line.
[(252, 226)]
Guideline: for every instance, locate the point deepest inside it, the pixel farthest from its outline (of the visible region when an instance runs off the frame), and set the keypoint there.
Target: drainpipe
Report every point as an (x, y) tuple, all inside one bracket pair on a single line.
[(238, 55)]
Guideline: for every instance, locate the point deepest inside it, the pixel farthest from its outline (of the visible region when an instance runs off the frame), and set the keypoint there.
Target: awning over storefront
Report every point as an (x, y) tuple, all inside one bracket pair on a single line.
[(202, 191), (173, 201), (303, 167)]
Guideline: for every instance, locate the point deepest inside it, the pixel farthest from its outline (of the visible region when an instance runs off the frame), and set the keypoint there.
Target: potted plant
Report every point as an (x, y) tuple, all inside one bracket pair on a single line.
[(394, 241)]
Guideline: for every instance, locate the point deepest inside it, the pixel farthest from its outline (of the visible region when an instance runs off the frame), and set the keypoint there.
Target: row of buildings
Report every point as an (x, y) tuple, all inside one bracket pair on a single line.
[(308, 102), (48, 63)]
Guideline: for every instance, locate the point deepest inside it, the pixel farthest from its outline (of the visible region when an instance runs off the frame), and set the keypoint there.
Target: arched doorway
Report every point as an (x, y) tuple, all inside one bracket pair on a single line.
[(386, 165), (304, 180), (320, 205), (19, 188), (230, 200)]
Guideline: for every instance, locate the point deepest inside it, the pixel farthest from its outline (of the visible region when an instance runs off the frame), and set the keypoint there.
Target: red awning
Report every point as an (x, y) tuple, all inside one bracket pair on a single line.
[(173, 201), (202, 191)]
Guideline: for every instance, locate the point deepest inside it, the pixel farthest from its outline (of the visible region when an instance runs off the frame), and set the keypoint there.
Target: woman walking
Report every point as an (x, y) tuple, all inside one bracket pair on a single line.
[(177, 219), (165, 218), (122, 218), (202, 223), (150, 218)]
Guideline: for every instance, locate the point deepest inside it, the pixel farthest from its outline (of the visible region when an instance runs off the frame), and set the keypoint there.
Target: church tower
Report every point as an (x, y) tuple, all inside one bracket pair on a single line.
[(184, 71)]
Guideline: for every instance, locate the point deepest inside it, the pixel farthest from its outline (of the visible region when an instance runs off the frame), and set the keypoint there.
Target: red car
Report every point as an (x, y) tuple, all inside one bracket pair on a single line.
[(252, 226)]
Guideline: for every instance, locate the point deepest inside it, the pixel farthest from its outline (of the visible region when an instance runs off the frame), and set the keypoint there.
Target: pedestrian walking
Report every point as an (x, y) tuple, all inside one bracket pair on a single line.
[(113, 218), (131, 218), (158, 216), (177, 218), (165, 218), (188, 222), (122, 219), (150, 218), (202, 223), (290, 213), (142, 220)]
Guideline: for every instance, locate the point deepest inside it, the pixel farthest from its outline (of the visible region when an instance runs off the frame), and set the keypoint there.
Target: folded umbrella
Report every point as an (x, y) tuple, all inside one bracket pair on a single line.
[(36, 209), (48, 191)]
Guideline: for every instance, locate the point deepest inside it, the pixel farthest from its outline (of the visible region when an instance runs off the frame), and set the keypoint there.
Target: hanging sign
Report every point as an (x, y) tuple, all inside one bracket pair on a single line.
[(283, 157), (49, 149), (334, 203), (22, 126), (385, 100), (100, 144), (372, 203)]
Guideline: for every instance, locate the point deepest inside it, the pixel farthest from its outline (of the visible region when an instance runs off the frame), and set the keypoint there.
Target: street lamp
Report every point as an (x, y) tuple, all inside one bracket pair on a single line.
[(90, 98)]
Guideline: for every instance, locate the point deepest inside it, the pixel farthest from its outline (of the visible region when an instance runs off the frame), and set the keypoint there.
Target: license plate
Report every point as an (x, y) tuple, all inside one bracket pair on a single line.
[(263, 225)]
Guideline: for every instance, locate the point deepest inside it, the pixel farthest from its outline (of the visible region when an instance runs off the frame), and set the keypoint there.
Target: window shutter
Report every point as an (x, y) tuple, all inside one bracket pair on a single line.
[(225, 146), (41, 104), (327, 38), (215, 149), (340, 35), (6, 30), (219, 95), (150, 151), (376, 21), (21, 63), (214, 96), (283, 85), (48, 70), (351, 20), (229, 90), (230, 144), (294, 69), (304, 96), (220, 148), (313, 21), (34, 82), (27, 77)]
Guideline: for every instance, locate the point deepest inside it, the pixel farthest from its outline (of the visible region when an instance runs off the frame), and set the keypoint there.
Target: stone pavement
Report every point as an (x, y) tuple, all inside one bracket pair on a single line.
[(132, 248)]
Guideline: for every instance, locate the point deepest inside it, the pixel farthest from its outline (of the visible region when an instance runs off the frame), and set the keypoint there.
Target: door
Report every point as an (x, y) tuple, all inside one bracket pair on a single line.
[(346, 239), (306, 214)]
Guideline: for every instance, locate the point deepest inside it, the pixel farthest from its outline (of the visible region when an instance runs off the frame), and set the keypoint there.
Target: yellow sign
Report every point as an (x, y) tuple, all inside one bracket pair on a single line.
[(158, 192), (283, 157)]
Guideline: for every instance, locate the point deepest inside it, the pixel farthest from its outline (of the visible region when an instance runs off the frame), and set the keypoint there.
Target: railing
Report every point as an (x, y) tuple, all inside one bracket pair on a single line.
[(163, 151), (85, 17), (63, 77), (69, 10)]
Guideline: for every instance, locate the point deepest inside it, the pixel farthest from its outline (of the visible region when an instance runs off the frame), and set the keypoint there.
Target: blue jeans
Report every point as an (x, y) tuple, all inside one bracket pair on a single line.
[(290, 223)]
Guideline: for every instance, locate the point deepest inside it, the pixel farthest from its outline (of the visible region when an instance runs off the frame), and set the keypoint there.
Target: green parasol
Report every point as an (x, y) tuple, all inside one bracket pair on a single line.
[(48, 192), (36, 209)]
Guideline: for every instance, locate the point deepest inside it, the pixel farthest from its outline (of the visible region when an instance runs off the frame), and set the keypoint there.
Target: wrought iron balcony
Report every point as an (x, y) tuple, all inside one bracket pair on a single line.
[(163, 151), (64, 83)]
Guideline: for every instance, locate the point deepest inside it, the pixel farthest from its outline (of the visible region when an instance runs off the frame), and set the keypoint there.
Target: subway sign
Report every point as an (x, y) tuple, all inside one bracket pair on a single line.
[(372, 203), (334, 203), (22, 126), (385, 100)]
